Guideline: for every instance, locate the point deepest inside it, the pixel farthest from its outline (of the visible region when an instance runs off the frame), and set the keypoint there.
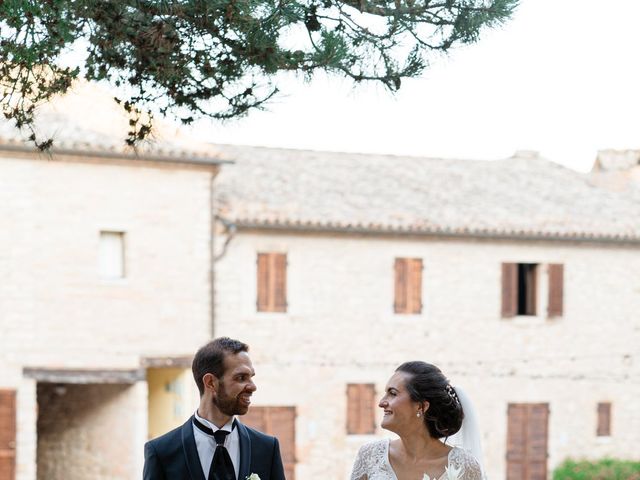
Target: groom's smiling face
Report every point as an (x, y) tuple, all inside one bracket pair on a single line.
[(236, 386)]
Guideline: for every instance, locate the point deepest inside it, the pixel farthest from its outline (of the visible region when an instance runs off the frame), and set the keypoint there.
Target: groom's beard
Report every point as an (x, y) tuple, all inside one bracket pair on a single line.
[(229, 405)]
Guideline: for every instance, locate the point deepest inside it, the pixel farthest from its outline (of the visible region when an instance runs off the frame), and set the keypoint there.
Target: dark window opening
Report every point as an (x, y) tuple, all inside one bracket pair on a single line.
[(527, 288)]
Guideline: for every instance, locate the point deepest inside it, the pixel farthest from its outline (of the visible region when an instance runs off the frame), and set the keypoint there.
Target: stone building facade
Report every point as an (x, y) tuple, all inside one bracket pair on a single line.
[(548, 384), (105, 257), (117, 267)]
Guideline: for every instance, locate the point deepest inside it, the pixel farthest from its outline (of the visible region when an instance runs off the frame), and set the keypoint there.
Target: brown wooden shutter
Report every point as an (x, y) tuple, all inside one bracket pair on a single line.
[(361, 408), (516, 441), (279, 422), (256, 418), (7, 434), (537, 441), (509, 290), (272, 282), (556, 290), (415, 285), (531, 284), (279, 282), (400, 303), (353, 408), (283, 427), (527, 434), (367, 408), (263, 282), (408, 285), (604, 419)]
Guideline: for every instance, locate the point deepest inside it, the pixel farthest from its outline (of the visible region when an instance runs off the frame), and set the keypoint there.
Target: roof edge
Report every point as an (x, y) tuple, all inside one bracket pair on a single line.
[(112, 155), (84, 375), (310, 227)]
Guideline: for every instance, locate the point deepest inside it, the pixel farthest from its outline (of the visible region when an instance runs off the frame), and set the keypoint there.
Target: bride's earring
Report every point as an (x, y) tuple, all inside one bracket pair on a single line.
[(418, 414)]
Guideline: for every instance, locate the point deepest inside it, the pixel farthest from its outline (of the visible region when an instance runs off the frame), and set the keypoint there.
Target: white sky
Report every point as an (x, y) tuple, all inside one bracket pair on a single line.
[(561, 78)]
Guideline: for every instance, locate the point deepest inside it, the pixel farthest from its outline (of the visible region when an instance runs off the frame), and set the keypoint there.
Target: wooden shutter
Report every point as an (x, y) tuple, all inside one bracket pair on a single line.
[(415, 285), (361, 408), (279, 282), (279, 422), (7, 434), (537, 441), (408, 285), (509, 290), (400, 302), (604, 419), (516, 441), (531, 286), (353, 408), (283, 427), (527, 433), (272, 282), (263, 282), (256, 418), (556, 290)]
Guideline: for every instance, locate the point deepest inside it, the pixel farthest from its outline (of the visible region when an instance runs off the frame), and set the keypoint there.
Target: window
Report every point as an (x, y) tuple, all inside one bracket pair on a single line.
[(527, 288), (281, 423), (361, 404), (527, 441), (408, 285), (519, 285), (272, 282), (7, 433), (111, 255), (604, 419), (520, 289)]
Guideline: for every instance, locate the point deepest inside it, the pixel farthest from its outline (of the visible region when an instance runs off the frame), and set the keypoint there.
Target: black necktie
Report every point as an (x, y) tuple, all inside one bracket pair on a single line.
[(221, 465)]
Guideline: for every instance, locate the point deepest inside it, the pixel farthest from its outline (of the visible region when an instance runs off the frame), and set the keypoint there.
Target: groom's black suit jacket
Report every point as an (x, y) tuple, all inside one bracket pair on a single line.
[(174, 455)]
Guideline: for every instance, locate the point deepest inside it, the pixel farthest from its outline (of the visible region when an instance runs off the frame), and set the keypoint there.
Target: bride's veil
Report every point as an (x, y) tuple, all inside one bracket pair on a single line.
[(468, 437)]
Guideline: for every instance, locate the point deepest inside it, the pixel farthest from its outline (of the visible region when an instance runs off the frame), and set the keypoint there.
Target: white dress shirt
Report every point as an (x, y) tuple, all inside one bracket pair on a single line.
[(206, 444)]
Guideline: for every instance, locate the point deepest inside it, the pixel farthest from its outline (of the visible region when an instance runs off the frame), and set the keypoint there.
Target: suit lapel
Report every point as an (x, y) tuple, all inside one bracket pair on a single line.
[(245, 451), (191, 451)]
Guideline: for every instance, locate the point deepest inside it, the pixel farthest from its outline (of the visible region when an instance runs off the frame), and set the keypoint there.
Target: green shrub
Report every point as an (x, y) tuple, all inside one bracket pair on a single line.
[(605, 469)]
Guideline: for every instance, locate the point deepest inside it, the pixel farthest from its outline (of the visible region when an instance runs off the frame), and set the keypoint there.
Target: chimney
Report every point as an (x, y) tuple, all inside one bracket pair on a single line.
[(528, 154), (616, 160)]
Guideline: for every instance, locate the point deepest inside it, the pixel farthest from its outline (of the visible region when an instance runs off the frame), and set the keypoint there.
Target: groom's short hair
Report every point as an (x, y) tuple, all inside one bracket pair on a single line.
[(210, 358)]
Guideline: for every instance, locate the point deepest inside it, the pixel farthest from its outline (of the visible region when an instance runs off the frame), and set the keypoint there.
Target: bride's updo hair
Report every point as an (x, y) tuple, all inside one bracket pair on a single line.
[(444, 416)]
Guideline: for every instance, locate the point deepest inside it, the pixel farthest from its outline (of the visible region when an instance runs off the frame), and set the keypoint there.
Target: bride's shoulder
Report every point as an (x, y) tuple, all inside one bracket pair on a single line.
[(370, 462), (466, 463), (376, 446)]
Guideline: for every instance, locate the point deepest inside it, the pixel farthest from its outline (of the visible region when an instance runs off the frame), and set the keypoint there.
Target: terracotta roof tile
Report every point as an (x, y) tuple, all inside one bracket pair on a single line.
[(515, 197)]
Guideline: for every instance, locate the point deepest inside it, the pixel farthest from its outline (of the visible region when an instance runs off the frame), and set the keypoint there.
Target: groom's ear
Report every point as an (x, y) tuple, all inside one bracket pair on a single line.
[(210, 382)]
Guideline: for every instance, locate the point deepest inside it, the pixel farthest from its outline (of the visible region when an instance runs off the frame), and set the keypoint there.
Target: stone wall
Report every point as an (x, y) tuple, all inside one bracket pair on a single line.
[(87, 431), (55, 310), (340, 328)]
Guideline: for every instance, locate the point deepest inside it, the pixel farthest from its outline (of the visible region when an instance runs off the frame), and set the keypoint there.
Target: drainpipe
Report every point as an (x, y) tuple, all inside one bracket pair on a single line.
[(212, 253)]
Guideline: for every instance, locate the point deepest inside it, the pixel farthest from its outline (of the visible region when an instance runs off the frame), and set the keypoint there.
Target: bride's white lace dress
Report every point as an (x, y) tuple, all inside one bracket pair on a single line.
[(372, 463)]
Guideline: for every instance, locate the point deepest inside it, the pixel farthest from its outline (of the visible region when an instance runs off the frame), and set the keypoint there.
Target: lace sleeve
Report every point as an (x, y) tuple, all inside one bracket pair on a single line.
[(359, 470), (467, 465)]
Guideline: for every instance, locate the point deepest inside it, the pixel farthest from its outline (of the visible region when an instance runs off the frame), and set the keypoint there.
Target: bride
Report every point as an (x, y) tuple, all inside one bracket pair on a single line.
[(422, 408)]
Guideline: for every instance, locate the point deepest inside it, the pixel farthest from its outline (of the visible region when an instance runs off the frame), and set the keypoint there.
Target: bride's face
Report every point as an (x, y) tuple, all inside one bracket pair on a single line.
[(399, 410)]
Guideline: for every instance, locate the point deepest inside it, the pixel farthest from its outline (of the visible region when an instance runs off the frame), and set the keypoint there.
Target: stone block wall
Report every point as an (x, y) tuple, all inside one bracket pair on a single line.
[(87, 431), (340, 328), (56, 311)]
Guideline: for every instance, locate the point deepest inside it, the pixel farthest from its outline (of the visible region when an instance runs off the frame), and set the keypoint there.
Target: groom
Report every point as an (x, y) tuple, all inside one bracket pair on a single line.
[(213, 444)]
